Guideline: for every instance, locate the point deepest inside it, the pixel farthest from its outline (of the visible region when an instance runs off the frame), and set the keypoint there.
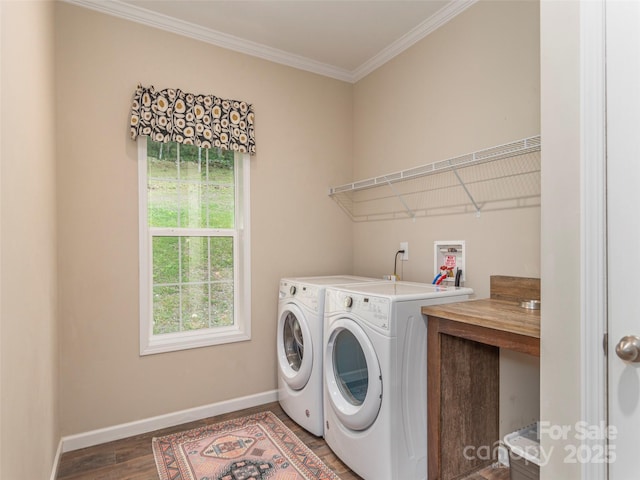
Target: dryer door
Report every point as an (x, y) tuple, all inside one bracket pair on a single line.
[(352, 375), (295, 348)]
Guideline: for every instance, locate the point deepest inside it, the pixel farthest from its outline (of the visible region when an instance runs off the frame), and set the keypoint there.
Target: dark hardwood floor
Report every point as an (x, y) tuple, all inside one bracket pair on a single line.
[(132, 458), (490, 473)]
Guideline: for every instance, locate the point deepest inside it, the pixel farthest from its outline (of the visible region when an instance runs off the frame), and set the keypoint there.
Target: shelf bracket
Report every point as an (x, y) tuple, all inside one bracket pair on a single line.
[(397, 194), (466, 190)]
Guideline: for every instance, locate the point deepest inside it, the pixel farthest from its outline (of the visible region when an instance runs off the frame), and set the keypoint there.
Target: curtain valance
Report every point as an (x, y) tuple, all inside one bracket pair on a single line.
[(172, 115)]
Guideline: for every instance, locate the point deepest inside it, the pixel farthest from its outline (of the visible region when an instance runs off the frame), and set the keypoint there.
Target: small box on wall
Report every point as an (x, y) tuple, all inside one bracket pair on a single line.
[(449, 262)]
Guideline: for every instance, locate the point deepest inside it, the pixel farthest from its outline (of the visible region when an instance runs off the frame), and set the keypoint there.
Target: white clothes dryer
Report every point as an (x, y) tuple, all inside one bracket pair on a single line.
[(299, 346), (375, 389)]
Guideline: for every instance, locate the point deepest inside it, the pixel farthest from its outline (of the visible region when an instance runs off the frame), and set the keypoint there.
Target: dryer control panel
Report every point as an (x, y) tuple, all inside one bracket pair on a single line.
[(373, 310)]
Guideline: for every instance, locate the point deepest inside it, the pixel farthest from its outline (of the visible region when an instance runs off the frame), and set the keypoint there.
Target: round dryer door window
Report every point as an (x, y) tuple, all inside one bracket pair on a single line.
[(353, 376), (295, 355)]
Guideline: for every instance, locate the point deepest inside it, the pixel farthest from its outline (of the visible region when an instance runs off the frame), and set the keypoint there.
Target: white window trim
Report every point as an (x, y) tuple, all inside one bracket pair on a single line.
[(241, 330)]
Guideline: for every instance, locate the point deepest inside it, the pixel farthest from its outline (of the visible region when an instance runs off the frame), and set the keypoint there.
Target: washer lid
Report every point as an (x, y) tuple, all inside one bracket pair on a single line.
[(407, 290), (331, 280)]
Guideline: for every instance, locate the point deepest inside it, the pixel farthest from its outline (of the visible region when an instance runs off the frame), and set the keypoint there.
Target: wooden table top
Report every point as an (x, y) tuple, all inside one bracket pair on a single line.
[(502, 315)]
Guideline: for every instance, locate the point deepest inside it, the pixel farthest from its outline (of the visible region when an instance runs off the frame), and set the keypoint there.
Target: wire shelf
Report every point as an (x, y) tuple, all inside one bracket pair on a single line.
[(501, 177)]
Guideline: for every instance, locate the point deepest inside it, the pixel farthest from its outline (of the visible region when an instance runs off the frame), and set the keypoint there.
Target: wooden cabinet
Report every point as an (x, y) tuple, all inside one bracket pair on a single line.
[(463, 372)]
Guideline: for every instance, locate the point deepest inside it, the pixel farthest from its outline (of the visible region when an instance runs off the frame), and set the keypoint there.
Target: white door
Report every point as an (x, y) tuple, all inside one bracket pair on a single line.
[(295, 347), (352, 375), (623, 218)]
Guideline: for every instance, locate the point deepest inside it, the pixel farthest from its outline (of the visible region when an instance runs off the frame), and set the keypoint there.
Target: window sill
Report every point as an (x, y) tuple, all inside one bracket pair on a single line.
[(185, 341)]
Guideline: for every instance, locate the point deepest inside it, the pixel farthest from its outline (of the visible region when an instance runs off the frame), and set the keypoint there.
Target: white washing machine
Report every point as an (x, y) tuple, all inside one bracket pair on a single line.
[(299, 346), (375, 389)]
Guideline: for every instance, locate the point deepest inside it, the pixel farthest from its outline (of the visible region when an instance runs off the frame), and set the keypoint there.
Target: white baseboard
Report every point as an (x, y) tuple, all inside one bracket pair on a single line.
[(117, 432), (56, 461)]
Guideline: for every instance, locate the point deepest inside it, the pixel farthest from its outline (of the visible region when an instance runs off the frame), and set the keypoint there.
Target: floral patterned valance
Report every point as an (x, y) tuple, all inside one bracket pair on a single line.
[(172, 115)]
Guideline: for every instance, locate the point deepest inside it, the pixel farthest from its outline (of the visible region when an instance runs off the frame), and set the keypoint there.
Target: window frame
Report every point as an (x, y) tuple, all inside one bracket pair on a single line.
[(241, 329)]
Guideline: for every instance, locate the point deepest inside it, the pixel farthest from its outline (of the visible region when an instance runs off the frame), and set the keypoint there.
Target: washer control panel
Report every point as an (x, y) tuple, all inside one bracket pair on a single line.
[(306, 295)]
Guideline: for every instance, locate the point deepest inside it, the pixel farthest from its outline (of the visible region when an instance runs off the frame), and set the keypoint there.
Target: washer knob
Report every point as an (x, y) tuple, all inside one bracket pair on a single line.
[(292, 290), (348, 302)]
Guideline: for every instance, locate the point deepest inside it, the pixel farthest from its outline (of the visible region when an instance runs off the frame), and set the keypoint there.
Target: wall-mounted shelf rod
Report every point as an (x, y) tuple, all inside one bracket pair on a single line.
[(466, 190), (404, 204), (519, 147), (453, 185)]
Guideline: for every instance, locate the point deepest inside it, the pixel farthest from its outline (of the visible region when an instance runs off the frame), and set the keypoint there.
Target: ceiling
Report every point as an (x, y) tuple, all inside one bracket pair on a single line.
[(342, 39)]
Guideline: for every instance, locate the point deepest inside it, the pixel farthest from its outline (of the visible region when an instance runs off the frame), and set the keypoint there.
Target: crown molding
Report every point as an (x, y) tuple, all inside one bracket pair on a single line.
[(152, 19), (419, 32), (156, 20)]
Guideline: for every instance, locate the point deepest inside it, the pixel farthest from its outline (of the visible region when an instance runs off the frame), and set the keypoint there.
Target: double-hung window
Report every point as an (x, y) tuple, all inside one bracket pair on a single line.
[(194, 246)]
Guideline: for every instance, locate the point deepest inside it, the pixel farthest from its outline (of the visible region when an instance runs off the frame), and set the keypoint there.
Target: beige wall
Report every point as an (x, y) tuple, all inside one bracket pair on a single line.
[(101, 59), (561, 247), (28, 351), (472, 84), (296, 228)]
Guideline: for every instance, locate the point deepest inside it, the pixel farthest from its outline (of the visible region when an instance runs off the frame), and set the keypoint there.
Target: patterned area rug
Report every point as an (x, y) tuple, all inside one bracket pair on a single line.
[(256, 447)]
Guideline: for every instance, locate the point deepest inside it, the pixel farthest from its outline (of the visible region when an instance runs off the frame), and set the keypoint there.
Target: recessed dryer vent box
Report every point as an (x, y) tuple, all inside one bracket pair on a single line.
[(449, 256)]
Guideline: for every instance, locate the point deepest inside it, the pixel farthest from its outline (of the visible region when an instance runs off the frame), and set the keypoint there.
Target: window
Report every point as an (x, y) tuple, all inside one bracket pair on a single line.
[(194, 246)]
